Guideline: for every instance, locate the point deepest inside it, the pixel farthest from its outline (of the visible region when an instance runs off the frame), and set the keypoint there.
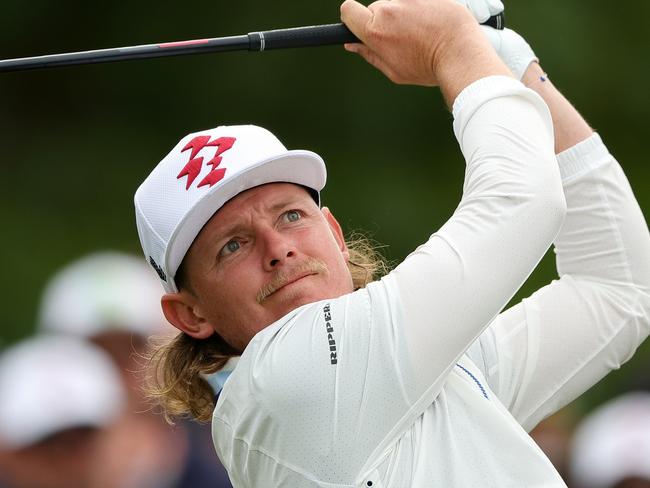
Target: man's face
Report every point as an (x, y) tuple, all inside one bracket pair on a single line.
[(266, 252)]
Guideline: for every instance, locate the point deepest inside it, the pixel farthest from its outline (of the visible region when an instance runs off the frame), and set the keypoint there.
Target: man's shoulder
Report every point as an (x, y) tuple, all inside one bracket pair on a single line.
[(299, 350)]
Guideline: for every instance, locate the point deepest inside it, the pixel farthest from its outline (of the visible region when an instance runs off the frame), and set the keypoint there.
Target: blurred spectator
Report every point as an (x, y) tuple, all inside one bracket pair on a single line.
[(113, 300), (611, 446), (58, 395), (553, 436)]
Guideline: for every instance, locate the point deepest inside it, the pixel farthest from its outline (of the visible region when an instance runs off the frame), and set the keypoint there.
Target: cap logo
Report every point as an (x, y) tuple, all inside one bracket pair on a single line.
[(158, 269), (193, 167)]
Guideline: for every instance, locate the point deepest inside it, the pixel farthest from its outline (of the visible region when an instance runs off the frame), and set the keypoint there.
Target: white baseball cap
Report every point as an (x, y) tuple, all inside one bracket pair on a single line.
[(52, 383), (101, 292), (203, 172), (613, 443)]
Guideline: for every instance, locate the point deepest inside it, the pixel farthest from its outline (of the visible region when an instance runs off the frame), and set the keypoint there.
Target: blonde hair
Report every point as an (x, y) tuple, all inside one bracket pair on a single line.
[(175, 370)]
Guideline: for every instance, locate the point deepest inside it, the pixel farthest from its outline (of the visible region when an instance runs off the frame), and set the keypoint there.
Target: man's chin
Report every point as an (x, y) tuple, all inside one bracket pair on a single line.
[(293, 296)]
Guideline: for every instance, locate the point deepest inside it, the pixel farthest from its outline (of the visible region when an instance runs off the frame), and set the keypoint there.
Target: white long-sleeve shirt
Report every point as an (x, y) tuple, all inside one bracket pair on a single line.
[(544, 352), (378, 387)]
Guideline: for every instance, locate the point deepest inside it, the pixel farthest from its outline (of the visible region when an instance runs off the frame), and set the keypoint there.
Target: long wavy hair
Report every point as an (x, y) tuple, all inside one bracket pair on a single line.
[(175, 369)]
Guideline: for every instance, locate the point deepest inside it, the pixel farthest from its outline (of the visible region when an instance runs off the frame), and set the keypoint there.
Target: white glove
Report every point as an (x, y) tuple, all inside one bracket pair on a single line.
[(483, 9), (513, 49)]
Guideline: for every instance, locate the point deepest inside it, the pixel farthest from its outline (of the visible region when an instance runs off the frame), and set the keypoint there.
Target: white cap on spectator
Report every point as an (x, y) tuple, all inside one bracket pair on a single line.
[(101, 292), (613, 443), (52, 383)]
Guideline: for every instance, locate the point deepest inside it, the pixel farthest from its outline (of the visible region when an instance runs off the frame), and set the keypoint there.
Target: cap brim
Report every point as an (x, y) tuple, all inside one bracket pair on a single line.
[(300, 167)]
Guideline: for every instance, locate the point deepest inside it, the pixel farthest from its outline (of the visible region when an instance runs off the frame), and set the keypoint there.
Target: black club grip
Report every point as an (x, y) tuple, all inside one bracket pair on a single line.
[(497, 21), (320, 35), (315, 35)]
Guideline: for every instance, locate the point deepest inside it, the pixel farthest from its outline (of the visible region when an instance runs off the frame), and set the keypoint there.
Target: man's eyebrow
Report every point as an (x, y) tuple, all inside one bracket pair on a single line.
[(282, 204), (226, 231), (276, 207)]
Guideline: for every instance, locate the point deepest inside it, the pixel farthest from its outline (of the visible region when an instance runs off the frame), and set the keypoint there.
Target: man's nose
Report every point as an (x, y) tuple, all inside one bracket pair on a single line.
[(278, 249)]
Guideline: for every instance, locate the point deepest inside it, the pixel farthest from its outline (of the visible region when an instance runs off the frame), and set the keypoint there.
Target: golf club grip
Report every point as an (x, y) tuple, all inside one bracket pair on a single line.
[(320, 35), (315, 35)]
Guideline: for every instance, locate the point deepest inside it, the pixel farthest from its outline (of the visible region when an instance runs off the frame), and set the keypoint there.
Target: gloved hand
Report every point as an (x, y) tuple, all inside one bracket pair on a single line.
[(513, 49), (483, 9)]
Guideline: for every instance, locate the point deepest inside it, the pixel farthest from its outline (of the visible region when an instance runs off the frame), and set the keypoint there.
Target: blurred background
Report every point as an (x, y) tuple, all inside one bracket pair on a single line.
[(77, 141)]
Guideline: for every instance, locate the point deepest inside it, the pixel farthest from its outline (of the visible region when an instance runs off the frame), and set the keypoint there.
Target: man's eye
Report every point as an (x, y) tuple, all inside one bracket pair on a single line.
[(292, 215), (230, 247)]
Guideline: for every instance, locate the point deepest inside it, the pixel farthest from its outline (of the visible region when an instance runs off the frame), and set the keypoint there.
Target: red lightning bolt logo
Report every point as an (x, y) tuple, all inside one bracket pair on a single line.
[(193, 167)]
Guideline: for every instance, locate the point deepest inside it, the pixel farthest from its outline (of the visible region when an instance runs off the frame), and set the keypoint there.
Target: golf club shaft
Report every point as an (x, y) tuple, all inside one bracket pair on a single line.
[(317, 35)]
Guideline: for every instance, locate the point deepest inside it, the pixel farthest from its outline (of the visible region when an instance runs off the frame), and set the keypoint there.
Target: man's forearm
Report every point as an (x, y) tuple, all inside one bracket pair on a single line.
[(569, 126), (464, 59)]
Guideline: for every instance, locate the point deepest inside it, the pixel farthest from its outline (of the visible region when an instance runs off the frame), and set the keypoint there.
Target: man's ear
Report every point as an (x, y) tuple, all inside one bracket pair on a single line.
[(337, 232), (181, 311)]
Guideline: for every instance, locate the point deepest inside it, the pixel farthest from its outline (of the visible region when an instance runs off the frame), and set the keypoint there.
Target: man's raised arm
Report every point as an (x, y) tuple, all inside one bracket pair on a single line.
[(544, 352), (450, 288)]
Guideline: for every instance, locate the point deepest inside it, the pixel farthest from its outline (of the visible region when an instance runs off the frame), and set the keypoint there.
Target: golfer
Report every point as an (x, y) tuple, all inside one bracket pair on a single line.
[(417, 379)]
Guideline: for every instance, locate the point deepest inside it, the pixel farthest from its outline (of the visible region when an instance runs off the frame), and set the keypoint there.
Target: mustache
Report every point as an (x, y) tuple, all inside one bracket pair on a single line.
[(285, 276)]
